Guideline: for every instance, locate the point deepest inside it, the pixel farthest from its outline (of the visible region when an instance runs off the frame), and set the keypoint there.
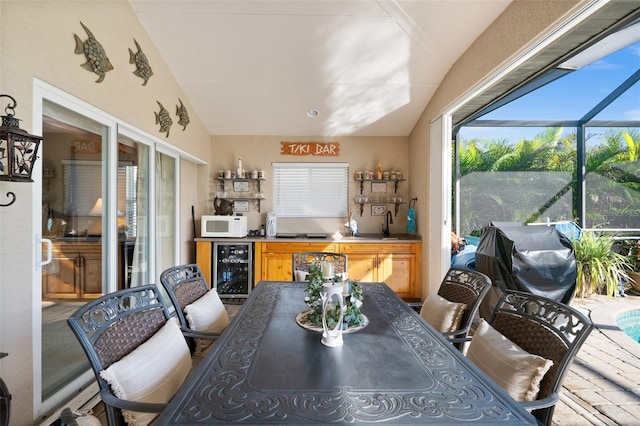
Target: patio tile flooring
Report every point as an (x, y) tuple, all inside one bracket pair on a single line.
[(602, 386)]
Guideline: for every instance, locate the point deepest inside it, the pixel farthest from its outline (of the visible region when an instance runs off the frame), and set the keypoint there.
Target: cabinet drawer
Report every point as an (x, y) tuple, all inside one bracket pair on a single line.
[(277, 247), (377, 248)]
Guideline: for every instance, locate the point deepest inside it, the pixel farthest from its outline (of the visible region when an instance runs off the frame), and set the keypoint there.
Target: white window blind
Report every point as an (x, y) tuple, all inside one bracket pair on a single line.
[(82, 186), (311, 189)]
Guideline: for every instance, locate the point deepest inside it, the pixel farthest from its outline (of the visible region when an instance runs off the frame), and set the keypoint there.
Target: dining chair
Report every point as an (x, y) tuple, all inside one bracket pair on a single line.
[(453, 309), (542, 336), (200, 310), (138, 354), (303, 260)]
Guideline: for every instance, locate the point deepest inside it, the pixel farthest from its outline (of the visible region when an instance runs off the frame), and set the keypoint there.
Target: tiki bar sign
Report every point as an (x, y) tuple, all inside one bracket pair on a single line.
[(324, 149)]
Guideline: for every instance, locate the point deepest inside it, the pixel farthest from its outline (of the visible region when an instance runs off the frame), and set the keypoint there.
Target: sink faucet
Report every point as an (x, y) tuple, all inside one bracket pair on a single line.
[(385, 231)]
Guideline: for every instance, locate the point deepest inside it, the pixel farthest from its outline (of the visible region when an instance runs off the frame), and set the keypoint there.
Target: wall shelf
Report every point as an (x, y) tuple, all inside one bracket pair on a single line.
[(363, 199), (395, 183), (241, 189)]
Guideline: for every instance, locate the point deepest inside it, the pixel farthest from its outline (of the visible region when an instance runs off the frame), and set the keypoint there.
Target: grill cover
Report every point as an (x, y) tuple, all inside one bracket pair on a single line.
[(534, 259)]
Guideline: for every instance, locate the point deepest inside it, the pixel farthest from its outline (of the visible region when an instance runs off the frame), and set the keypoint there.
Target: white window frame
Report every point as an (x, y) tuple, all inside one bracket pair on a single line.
[(311, 189)]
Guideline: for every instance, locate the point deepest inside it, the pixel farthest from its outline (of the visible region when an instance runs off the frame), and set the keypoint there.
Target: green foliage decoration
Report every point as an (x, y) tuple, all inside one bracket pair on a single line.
[(353, 301), (600, 269)]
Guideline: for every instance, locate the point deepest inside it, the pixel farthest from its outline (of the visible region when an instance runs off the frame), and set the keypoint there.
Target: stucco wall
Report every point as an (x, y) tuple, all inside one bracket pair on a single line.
[(37, 40)]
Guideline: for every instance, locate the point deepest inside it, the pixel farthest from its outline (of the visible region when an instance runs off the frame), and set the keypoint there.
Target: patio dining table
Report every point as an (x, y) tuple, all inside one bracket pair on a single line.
[(267, 369)]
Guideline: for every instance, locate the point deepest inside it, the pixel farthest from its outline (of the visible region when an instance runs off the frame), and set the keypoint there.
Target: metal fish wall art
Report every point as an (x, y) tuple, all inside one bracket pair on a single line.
[(143, 69), (97, 60), (183, 115), (163, 118)]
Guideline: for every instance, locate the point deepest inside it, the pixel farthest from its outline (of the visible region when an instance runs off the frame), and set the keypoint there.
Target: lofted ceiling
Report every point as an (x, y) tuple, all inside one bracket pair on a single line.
[(368, 67)]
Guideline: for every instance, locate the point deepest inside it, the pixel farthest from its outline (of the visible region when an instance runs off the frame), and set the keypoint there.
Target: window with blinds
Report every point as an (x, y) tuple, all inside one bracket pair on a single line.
[(82, 186), (311, 189)]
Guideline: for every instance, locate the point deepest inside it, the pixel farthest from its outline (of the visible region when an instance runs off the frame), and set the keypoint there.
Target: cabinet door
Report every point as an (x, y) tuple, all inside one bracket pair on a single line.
[(60, 278), (362, 267), (204, 251), (91, 274), (276, 266), (398, 272)]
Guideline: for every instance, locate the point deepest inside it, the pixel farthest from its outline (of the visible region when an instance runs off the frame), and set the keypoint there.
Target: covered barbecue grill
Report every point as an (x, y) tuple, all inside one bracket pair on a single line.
[(534, 259)]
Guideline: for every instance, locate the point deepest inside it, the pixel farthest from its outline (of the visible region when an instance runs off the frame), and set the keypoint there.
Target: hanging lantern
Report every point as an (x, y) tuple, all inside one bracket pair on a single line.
[(18, 149)]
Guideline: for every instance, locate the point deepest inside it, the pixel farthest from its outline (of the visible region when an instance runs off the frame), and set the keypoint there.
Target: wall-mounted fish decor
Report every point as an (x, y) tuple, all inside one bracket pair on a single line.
[(163, 118), (97, 60), (143, 69), (183, 115)]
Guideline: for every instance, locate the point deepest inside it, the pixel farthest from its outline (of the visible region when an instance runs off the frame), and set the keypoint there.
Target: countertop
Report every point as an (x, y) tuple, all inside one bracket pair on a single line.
[(302, 238)]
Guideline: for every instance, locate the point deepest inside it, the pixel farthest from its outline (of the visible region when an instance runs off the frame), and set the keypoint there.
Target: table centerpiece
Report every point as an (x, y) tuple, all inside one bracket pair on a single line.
[(352, 320)]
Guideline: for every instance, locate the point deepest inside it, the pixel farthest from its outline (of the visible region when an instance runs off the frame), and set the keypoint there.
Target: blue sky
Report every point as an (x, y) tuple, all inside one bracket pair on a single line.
[(572, 96)]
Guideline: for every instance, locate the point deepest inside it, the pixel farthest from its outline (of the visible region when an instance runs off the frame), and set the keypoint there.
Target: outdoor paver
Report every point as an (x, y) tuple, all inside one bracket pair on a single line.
[(620, 415), (621, 397), (602, 386), (578, 384), (592, 398), (612, 383)]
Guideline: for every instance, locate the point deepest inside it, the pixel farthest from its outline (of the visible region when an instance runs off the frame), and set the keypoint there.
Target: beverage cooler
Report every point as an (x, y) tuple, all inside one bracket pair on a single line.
[(233, 269)]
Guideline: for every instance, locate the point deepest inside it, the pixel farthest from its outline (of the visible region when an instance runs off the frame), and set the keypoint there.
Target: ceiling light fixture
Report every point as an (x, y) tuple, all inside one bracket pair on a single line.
[(312, 112)]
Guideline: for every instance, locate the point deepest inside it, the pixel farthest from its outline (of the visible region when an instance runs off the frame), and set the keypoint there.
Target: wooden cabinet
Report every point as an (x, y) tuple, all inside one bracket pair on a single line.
[(75, 271), (276, 258), (396, 264)]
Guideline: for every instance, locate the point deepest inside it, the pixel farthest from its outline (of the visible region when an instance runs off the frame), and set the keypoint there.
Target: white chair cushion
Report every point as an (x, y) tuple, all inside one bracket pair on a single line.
[(153, 372), (301, 275), (442, 314), (207, 314), (517, 371)]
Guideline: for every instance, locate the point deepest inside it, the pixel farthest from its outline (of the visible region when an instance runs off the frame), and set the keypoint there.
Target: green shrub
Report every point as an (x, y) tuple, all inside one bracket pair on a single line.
[(600, 269)]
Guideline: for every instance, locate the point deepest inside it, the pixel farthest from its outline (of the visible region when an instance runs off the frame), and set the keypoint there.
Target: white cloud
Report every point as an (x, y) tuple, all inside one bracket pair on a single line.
[(633, 114)]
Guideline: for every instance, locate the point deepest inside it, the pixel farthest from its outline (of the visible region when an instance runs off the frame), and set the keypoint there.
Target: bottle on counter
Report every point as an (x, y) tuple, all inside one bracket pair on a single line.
[(262, 232), (271, 224)]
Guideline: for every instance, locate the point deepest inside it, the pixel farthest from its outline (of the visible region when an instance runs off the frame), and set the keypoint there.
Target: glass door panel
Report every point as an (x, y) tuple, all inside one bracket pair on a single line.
[(72, 218), (166, 201), (133, 215)]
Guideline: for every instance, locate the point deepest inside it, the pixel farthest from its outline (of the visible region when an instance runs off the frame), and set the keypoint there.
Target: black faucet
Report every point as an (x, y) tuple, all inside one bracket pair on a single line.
[(385, 231)]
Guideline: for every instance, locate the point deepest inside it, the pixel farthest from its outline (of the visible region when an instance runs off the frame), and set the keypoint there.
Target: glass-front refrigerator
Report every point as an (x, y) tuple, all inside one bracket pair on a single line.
[(233, 269)]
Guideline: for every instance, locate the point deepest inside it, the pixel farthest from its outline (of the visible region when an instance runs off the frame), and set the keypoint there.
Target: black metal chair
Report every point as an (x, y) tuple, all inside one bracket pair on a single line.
[(110, 328), (303, 260), (462, 286), (546, 328), (185, 285)]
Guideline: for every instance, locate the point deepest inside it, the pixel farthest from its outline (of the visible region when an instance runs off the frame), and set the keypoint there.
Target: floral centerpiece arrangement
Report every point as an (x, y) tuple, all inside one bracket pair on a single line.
[(352, 302)]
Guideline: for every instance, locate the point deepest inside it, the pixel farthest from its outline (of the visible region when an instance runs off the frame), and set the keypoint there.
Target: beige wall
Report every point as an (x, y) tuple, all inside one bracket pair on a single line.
[(361, 153), (516, 29), (37, 40)]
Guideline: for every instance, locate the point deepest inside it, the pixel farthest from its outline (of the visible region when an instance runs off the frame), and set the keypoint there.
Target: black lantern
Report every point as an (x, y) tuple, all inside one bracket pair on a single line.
[(18, 149)]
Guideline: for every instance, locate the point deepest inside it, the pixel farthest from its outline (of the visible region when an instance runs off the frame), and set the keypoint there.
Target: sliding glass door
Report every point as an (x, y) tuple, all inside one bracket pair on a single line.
[(109, 203), (73, 218)]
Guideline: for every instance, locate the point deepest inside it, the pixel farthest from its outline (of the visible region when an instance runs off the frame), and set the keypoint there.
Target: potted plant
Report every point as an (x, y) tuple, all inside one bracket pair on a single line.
[(353, 301), (631, 248), (600, 269)]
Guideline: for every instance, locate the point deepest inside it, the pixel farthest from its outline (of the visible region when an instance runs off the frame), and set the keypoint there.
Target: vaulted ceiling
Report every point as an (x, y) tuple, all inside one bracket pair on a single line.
[(368, 67)]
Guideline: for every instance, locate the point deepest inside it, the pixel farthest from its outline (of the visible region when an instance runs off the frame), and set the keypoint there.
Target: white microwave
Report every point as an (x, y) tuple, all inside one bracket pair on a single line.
[(223, 226)]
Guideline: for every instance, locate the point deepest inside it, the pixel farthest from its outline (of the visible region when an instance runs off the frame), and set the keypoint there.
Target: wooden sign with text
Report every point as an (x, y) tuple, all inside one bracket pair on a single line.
[(324, 149)]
